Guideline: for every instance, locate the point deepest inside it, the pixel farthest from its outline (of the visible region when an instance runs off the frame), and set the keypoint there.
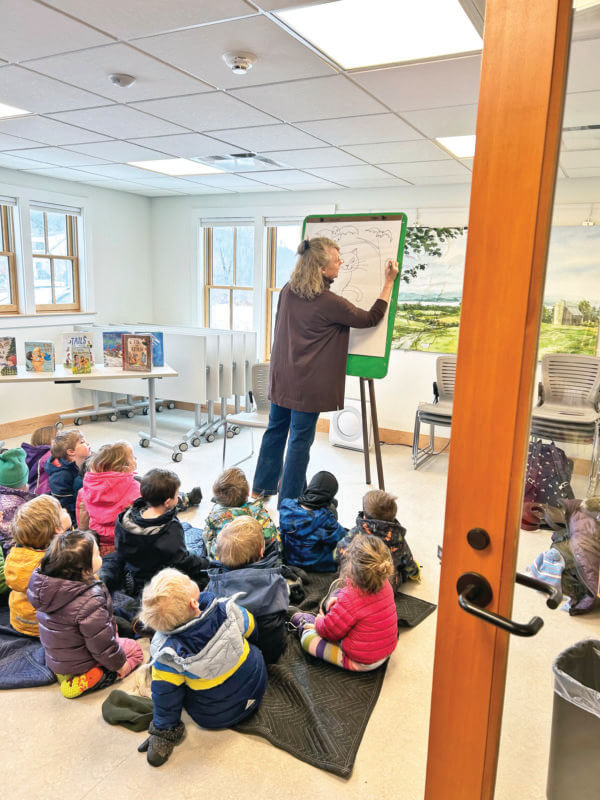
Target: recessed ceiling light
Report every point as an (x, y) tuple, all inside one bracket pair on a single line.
[(12, 111), (358, 34), (175, 166), (459, 146)]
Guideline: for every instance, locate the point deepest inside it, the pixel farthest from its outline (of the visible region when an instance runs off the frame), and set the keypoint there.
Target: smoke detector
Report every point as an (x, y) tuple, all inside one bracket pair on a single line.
[(239, 63), (121, 79)]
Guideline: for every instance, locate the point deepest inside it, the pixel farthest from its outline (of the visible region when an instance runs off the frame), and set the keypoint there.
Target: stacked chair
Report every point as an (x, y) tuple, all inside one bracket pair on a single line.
[(259, 416), (437, 413)]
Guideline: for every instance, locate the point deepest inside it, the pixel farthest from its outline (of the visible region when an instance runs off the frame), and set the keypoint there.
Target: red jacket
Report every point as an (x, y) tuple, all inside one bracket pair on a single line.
[(365, 625), (105, 495)]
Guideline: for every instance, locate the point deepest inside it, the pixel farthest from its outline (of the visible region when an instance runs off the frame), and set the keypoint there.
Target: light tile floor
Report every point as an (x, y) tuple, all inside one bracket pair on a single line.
[(62, 750)]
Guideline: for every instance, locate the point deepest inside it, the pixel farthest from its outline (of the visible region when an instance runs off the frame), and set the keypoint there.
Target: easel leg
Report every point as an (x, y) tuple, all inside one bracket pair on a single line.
[(363, 411), (376, 434)]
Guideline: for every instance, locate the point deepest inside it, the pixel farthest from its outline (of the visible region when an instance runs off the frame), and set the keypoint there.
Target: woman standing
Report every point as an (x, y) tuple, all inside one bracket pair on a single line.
[(308, 363)]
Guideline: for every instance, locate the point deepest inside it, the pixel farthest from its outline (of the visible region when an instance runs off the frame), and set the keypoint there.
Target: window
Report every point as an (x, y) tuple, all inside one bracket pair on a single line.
[(8, 274), (229, 277), (282, 244), (55, 260)]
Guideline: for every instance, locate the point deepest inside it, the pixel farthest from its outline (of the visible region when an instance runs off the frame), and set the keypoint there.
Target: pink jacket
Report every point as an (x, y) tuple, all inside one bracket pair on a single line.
[(366, 625), (105, 495)]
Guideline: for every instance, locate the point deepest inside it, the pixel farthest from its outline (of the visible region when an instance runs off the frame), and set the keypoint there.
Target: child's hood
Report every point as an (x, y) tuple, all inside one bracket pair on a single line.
[(391, 531), (133, 522), (35, 451), (19, 564), (261, 587), (51, 594), (103, 491)]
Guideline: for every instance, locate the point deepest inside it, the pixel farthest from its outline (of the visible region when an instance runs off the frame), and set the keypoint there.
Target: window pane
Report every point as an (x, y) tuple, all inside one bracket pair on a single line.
[(288, 237), (63, 282), (274, 302), (242, 310), (244, 257), (42, 281), (222, 266), (38, 242), (57, 234), (5, 293), (219, 308), (2, 247)]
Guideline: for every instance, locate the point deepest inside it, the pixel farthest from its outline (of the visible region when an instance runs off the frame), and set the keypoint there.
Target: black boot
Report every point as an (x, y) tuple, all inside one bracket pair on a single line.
[(159, 745)]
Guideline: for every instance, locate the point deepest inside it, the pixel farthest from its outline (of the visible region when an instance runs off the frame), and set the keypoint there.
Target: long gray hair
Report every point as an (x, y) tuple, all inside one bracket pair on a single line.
[(314, 256)]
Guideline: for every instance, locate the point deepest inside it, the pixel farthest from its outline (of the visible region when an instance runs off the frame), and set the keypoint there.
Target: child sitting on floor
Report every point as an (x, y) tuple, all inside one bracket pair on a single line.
[(150, 537), (67, 453), (309, 526), (358, 627), (243, 567), (230, 495), (201, 661), (109, 487), (38, 452), (34, 526), (14, 492), (378, 518), (76, 623)]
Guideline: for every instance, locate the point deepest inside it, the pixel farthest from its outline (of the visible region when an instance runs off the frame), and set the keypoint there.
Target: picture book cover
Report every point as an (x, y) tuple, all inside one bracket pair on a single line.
[(112, 347), (73, 340), (8, 355), (137, 352), (39, 356), (158, 350), (81, 357)]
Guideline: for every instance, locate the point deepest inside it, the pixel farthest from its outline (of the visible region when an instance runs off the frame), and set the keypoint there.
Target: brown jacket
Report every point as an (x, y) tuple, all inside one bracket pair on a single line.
[(310, 349)]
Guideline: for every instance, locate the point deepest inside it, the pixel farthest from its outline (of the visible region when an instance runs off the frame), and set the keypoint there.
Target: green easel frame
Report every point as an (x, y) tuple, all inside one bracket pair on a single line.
[(366, 368)]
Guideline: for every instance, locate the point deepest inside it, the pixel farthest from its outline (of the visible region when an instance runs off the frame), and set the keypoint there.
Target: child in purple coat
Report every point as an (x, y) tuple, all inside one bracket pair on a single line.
[(37, 453)]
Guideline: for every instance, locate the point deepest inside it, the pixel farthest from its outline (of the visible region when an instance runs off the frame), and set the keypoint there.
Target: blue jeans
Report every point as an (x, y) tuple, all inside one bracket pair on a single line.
[(271, 468)]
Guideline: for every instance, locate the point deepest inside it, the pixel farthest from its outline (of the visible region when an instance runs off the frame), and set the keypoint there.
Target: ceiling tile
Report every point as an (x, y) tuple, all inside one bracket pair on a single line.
[(584, 57), (318, 185), (418, 168), (433, 180), (118, 151), (315, 157), (361, 130), (15, 162), (582, 108), (47, 131), (199, 51), (14, 142), (578, 158), (61, 172), (133, 188), (31, 30), (583, 172), (122, 122), (121, 172), (316, 99), (225, 181), (468, 162), (374, 183), (55, 156), (90, 70), (363, 172), (277, 5), (204, 112), (185, 145), (39, 94), (267, 137), (390, 152), (452, 121), (581, 140), (431, 85), (144, 17), (285, 177)]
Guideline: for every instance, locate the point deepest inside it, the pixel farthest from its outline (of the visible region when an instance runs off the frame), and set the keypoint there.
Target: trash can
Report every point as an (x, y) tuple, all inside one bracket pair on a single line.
[(574, 768)]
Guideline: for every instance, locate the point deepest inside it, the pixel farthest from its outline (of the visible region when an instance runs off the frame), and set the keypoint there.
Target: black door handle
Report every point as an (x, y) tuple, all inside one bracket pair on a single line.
[(475, 592)]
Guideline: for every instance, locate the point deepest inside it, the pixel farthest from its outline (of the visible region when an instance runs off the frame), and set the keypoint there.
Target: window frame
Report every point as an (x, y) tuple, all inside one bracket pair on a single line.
[(8, 239), (272, 291), (207, 233), (72, 256)]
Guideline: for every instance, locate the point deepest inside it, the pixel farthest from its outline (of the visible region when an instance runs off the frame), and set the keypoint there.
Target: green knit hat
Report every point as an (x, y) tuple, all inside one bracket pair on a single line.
[(128, 710), (14, 472)]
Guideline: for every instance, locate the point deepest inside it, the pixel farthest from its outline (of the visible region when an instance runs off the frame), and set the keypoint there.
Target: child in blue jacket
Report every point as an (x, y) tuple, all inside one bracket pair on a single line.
[(309, 527), (68, 452)]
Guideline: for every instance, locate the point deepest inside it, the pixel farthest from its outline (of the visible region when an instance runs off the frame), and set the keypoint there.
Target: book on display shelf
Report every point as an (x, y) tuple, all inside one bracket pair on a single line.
[(40, 356), (81, 360), (8, 355), (112, 347), (77, 340), (158, 349), (137, 352)]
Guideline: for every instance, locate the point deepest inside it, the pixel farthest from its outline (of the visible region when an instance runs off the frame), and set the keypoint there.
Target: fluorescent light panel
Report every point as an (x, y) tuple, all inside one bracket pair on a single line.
[(176, 167), (355, 33), (460, 146), (12, 111)]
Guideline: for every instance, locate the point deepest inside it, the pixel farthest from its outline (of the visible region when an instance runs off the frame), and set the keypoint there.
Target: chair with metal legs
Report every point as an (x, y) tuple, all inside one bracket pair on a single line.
[(439, 412), (259, 417)]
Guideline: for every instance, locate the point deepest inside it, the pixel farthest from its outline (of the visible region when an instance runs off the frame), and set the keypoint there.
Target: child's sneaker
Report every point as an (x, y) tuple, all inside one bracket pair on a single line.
[(300, 619), (75, 685), (187, 499)]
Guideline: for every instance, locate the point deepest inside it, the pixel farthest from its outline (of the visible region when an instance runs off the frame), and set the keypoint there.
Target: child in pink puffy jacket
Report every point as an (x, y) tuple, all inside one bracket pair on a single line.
[(109, 487)]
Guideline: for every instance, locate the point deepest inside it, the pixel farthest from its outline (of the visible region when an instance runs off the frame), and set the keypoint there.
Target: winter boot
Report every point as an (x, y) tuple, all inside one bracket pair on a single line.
[(159, 745)]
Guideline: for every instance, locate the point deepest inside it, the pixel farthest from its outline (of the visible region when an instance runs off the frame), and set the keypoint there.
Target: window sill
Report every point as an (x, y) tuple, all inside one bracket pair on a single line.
[(45, 319)]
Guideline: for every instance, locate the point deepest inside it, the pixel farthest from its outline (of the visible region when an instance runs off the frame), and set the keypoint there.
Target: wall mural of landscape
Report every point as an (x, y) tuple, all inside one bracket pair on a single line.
[(429, 300)]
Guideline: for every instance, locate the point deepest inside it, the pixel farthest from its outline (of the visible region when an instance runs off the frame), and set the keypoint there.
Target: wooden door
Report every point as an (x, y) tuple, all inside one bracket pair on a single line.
[(518, 134)]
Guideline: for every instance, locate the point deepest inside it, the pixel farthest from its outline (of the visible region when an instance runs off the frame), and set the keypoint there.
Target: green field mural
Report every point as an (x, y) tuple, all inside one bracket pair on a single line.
[(429, 302)]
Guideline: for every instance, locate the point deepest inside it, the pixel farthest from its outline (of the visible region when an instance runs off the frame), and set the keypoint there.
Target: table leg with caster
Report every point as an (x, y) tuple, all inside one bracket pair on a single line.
[(146, 439)]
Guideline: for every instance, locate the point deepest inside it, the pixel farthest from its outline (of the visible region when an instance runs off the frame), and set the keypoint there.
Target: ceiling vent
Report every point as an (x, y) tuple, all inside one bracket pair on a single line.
[(240, 162)]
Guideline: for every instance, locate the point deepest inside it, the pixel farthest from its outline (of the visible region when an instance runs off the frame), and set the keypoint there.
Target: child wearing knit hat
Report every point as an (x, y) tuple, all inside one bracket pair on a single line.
[(14, 491)]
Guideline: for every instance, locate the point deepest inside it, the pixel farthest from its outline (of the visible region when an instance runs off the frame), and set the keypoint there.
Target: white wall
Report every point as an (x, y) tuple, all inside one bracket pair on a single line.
[(122, 280)]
